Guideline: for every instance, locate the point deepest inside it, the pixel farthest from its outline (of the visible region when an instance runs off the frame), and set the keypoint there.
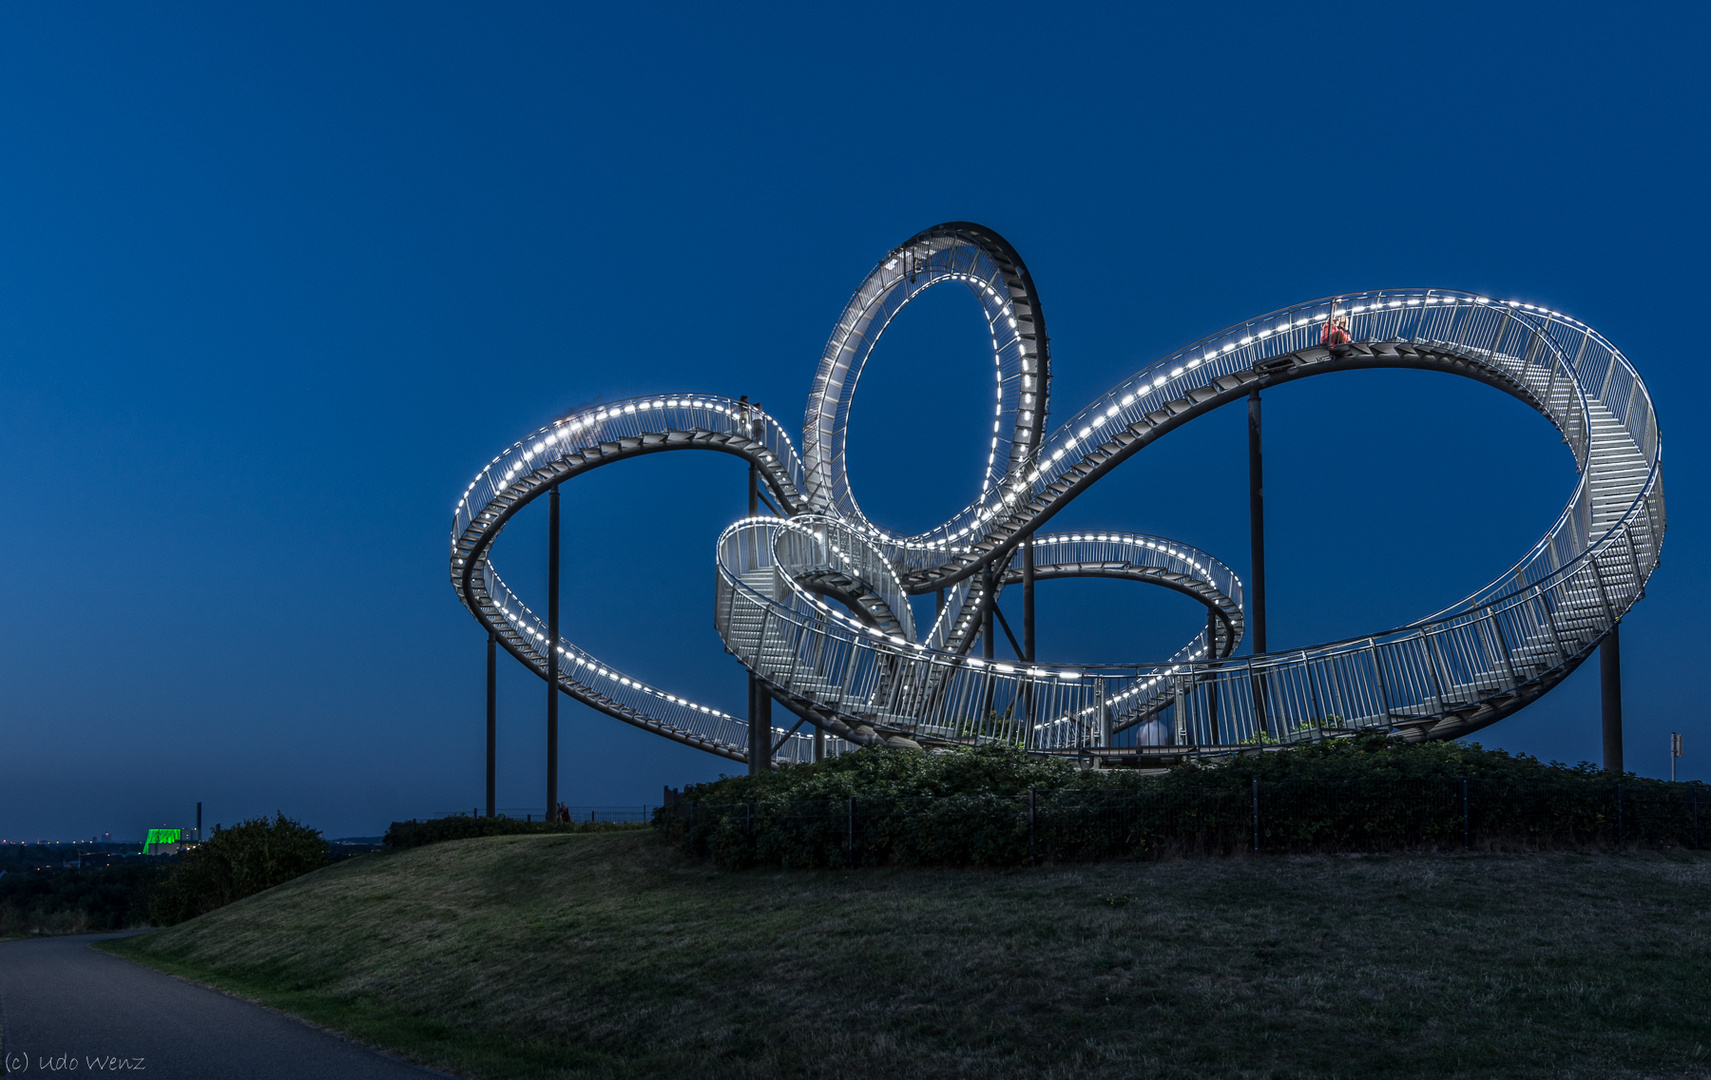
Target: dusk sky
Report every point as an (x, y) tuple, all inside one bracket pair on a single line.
[(276, 282)]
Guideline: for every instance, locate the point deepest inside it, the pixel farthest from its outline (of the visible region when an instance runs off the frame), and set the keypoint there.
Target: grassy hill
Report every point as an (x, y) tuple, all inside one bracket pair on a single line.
[(609, 955)]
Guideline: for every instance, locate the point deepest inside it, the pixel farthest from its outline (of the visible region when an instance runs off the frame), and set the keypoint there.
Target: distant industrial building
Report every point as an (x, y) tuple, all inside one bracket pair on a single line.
[(163, 842)]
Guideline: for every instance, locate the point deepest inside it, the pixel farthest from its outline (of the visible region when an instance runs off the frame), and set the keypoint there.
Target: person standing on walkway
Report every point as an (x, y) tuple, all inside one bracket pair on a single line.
[(1336, 331)]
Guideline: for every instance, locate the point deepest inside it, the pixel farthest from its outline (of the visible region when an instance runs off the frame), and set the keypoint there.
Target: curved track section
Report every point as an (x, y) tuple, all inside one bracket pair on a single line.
[(994, 274), (816, 605)]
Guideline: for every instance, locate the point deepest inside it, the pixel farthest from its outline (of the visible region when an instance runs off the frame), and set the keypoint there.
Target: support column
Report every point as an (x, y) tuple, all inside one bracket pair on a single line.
[(760, 728), (1212, 684), (552, 653), (1610, 680), (492, 712), (1028, 599), (1256, 526), (760, 702), (986, 586)]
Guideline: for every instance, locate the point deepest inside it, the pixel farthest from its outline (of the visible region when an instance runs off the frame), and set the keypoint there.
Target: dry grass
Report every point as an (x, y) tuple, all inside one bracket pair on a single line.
[(609, 955)]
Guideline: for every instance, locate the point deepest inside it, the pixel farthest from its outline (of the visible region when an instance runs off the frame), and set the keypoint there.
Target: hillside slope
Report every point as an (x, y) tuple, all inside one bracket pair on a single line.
[(610, 955)]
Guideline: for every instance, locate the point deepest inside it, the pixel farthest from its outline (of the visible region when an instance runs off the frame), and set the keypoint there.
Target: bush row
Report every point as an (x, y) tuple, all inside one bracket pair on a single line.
[(77, 901), (997, 807)]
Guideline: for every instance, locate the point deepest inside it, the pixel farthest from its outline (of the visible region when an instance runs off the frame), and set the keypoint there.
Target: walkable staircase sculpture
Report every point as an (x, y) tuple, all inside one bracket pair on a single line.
[(816, 603)]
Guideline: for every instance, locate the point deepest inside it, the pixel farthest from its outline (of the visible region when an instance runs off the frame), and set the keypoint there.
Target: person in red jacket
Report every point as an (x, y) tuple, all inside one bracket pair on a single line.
[(1336, 330)]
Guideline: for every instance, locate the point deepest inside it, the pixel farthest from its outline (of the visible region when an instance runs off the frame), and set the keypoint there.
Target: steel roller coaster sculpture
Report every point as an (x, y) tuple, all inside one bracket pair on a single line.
[(815, 601)]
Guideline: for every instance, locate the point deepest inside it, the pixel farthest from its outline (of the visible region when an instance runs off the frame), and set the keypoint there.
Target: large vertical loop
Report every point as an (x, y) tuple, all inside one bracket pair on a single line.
[(993, 272)]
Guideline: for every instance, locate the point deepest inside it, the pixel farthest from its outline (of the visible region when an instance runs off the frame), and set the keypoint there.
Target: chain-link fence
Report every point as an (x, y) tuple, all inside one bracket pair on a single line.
[(1255, 816)]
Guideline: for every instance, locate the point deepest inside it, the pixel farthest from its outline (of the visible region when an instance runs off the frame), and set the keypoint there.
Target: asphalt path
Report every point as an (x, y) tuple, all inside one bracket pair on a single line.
[(62, 1002)]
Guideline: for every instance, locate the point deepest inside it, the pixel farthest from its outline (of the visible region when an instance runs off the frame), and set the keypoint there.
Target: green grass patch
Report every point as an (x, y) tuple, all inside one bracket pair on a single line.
[(612, 955)]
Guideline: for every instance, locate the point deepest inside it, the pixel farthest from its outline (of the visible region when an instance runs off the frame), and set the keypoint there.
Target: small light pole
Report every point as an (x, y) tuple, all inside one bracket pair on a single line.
[(1674, 752)]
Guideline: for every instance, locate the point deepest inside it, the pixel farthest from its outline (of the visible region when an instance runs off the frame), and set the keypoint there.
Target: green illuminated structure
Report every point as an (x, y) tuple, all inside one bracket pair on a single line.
[(159, 838)]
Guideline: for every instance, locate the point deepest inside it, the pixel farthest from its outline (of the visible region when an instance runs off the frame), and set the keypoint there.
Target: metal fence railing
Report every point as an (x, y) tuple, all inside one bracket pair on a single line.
[(631, 814), (1153, 821)]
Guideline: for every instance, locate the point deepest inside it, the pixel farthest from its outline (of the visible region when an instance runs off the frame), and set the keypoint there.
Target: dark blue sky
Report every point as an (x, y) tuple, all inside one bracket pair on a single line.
[(275, 282)]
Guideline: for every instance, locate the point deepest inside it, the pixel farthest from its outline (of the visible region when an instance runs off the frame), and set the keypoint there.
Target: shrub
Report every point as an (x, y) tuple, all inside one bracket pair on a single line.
[(409, 834), (237, 862)]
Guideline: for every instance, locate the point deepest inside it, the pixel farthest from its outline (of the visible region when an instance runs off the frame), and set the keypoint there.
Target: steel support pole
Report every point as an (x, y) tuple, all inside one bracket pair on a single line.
[(986, 587), (552, 654), (1256, 525), (1028, 599), (760, 702), (754, 751), (1212, 685), (492, 713), (1610, 679), (764, 701)]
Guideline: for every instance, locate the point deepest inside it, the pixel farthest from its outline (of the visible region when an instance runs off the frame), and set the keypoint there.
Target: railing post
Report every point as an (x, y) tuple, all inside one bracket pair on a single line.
[(852, 832), (1621, 835), (1383, 683), (1466, 823), (1032, 810), (1256, 814)]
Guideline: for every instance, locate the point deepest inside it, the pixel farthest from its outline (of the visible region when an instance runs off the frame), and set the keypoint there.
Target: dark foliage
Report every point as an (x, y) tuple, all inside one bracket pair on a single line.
[(994, 806), (238, 862), (77, 901), (409, 834)]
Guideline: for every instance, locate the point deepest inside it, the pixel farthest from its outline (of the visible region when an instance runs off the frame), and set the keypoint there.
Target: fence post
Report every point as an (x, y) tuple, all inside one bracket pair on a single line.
[(1696, 820), (852, 832), (1466, 826), (749, 820), (1031, 807), (1256, 813), (1621, 839)]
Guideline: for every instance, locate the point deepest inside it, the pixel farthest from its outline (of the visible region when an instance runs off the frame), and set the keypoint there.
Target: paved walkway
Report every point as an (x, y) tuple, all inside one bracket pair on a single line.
[(61, 1001)]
